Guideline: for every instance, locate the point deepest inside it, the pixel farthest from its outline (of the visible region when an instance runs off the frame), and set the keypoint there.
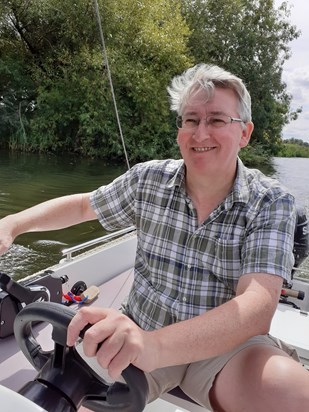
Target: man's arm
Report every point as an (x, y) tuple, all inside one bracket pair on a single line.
[(225, 327), (51, 215), (210, 334)]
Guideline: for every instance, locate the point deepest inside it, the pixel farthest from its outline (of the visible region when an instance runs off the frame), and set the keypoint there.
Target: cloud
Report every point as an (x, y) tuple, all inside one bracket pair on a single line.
[(296, 71), (297, 82)]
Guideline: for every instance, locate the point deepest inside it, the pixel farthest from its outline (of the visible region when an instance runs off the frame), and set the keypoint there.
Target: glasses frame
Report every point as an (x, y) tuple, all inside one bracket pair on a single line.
[(232, 120)]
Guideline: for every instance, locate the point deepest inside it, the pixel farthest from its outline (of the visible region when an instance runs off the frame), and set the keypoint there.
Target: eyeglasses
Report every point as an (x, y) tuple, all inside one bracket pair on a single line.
[(216, 121)]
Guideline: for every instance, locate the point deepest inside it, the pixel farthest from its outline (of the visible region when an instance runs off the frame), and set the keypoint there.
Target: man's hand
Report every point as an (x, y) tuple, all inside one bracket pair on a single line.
[(6, 236), (53, 214), (121, 341)]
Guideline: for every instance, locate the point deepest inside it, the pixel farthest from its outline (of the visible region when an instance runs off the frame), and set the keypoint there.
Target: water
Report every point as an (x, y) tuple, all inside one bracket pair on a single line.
[(294, 174), (27, 179)]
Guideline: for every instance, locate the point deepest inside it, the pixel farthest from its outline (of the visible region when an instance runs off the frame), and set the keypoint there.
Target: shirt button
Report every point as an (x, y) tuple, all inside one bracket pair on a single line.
[(189, 266), (184, 299)]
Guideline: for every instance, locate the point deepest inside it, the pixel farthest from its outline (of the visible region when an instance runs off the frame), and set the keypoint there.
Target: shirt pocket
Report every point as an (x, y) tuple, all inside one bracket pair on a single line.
[(227, 262)]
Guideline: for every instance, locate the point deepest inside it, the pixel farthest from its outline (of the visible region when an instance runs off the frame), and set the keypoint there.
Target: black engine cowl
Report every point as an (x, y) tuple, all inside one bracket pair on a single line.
[(301, 238)]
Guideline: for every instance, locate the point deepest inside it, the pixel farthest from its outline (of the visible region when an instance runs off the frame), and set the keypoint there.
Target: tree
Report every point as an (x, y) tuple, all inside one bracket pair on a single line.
[(66, 90), (35, 52), (54, 90), (250, 38)]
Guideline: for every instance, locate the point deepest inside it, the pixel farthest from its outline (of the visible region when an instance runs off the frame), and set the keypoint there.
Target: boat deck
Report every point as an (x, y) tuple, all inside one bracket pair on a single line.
[(110, 268), (15, 369)]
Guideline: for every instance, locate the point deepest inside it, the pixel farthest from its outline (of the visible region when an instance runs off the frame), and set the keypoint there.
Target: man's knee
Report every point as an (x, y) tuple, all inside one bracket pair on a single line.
[(260, 378)]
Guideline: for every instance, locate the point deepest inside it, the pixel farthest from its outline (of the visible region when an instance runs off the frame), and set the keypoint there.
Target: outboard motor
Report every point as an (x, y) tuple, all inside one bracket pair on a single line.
[(301, 252), (301, 238)]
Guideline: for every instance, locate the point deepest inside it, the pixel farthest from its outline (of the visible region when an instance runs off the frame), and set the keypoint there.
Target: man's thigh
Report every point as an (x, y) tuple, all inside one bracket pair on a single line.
[(197, 379), (261, 378), (163, 380), (200, 376)]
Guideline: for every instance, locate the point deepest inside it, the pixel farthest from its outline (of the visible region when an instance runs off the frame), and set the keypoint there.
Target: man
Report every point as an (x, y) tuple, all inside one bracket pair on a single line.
[(214, 246)]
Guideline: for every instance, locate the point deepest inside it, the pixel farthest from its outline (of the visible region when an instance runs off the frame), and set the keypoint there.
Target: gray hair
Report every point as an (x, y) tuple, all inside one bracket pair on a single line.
[(207, 77)]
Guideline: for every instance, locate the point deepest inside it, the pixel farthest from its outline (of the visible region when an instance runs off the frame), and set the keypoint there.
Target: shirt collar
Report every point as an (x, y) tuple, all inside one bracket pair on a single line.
[(179, 177), (240, 192)]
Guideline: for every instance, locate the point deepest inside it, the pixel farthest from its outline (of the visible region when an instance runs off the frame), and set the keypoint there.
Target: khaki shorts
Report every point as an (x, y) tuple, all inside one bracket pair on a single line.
[(196, 379)]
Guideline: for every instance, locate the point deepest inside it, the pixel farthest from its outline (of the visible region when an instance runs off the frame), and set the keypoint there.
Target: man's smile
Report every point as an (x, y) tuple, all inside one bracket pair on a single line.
[(203, 149)]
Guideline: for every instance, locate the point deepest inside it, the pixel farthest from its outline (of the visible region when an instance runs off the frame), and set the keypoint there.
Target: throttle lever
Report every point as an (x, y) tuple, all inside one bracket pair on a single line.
[(297, 294), (26, 295)]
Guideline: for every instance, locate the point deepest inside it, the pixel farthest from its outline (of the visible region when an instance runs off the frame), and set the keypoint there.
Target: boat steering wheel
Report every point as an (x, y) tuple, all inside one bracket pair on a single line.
[(65, 381)]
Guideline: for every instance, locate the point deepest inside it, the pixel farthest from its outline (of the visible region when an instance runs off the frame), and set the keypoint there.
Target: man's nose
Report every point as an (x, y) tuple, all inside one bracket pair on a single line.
[(202, 132)]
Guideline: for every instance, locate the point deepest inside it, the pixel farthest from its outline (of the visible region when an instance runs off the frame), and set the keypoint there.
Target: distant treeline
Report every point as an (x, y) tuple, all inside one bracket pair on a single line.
[(294, 148), (54, 90)]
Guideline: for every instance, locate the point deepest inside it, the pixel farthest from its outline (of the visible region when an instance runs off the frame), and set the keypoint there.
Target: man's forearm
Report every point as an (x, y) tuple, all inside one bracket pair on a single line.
[(51, 215), (217, 331)]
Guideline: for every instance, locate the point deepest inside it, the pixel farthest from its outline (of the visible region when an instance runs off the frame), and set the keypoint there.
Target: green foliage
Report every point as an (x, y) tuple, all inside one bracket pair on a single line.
[(66, 85), (255, 155), (16, 97), (54, 86), (298, 142), (250, 38), (294, 148)]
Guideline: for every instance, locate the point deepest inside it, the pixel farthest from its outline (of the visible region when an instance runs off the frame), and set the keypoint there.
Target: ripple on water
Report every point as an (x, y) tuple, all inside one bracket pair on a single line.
[(20, 261)]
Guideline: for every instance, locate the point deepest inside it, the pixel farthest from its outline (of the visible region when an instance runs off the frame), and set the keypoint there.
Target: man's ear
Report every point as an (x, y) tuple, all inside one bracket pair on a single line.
[(246, 134)]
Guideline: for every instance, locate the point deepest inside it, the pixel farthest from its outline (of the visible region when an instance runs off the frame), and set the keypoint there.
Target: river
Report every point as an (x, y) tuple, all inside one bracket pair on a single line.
[(27, 179)]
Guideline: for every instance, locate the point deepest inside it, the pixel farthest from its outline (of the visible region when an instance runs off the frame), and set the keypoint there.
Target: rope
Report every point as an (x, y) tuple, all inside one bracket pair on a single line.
[(105, 61)]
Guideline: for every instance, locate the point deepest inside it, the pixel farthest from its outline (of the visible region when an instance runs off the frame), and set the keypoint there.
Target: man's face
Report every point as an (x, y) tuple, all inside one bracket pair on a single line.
[(207, 149)]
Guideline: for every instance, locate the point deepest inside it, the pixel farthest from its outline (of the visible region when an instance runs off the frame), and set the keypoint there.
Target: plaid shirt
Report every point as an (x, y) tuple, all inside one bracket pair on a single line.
[(183, 269)]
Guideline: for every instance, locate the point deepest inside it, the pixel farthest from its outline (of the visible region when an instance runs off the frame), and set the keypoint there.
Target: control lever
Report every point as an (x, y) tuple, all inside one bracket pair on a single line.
[(25, 295)]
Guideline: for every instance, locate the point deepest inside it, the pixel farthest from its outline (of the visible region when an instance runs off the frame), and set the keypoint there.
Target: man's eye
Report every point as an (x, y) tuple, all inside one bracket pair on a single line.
[(191, 122), (216, 121)]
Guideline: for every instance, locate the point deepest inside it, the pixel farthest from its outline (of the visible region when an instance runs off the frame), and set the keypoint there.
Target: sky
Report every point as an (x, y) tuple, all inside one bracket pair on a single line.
[(296, 71)]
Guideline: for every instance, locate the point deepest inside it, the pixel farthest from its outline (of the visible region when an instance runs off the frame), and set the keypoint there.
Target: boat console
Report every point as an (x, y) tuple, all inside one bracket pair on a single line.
[(15, 295)]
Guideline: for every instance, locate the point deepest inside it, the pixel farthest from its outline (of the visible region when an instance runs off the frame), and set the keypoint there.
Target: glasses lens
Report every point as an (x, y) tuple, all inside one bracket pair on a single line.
[(179, 122), (214, 121), (218, 121)]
